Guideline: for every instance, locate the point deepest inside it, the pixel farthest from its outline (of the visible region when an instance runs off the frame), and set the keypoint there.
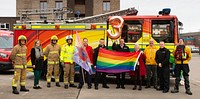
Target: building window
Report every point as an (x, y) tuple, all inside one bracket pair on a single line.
[(4, 26), (81, 2), (106, 6), (43, 7), (59, 4)]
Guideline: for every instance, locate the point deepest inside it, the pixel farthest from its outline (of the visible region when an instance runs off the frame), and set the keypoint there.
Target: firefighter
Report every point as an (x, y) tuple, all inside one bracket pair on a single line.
[(66, 58), (18, 57), (52, 53), (182, 55)]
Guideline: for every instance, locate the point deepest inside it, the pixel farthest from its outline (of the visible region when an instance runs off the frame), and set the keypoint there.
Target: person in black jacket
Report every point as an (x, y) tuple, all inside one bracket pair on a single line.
[(120, 48), (98, 74), (37, 59), (163, 70)]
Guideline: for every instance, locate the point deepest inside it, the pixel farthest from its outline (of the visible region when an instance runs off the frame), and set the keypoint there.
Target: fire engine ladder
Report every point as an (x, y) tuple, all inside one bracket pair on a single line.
[(103, 17), (43, 12)]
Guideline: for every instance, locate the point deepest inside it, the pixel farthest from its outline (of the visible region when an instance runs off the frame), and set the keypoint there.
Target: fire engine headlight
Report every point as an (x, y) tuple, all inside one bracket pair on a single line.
[(3, 55)]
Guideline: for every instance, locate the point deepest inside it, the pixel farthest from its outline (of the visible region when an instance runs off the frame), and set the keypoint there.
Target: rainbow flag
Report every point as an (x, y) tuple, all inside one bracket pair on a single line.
[(116, 62)]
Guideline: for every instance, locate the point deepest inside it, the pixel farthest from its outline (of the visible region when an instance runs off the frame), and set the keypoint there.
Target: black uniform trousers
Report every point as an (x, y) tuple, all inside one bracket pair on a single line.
[(186, 70), (164, 77), (86, 75), (120, 81), (101, 75)]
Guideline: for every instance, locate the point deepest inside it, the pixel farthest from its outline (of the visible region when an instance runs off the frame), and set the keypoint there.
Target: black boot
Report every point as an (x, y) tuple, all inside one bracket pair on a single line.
[(176, 90), (72, 85), (118, 86), (96, 86), (80, 86), (187, 85), (15, 90), (105, 86), (135, 87), (48, 85), (188, 92), (122, 86), (66, 86), (23, 88), (57, 84)]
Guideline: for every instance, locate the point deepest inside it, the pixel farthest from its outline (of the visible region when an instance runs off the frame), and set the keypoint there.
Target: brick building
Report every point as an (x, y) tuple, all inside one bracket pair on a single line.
[(81, 8), (192, 38), (6, 23)]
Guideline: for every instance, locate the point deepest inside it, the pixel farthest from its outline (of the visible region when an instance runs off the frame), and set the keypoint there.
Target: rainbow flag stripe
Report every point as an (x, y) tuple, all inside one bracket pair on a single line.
[(116, 62)]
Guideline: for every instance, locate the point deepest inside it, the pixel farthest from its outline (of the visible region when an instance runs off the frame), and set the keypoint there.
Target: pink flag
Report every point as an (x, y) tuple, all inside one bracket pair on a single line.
[(81, 56)]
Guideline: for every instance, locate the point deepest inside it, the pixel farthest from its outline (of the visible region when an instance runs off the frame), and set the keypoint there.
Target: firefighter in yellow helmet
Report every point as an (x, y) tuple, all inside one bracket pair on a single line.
[(18, 57), (66, 57), (52, 53)]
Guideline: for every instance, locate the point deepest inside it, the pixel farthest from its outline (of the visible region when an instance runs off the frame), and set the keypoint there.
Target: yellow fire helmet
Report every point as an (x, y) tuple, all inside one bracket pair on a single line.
[(22, 37), (54, 37)]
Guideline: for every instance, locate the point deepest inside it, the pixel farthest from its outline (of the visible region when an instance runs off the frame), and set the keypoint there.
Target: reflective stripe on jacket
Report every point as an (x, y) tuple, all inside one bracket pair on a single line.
[(52, 52), (18, 55)]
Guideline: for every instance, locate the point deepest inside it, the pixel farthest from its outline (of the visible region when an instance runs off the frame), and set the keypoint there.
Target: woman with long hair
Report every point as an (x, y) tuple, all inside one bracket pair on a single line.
[(37, 59)]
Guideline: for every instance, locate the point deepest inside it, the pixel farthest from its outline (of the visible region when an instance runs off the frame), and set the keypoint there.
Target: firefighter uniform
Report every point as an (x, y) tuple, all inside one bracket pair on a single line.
[(18, 57), (66, 57), (52, 53)]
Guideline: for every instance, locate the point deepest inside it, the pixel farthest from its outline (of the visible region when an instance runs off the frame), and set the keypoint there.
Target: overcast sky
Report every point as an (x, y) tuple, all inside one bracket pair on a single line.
[(188, 11)]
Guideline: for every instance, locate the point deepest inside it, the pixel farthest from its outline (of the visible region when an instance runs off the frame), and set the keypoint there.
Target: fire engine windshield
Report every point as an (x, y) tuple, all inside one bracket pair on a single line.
[(6, 41), (133, 30), (161, 31)]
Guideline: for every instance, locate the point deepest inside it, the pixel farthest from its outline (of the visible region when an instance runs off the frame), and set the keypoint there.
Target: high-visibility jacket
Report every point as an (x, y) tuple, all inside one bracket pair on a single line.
[(67, 53), (188, 54), (150, 53), (52, 53), (18, 56)]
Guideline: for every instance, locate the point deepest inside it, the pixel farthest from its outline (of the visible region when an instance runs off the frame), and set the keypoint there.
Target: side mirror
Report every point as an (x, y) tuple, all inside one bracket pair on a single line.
[(180, 23)]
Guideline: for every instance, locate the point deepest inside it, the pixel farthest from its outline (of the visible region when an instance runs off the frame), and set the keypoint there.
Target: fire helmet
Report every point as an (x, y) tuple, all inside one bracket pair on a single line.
[(54, 37), (69, 37), (22, 37)]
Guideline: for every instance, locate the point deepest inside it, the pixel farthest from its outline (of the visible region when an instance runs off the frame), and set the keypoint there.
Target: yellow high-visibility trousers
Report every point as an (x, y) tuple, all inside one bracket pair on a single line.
[(50, 69), (68, 74), (19, 74)]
